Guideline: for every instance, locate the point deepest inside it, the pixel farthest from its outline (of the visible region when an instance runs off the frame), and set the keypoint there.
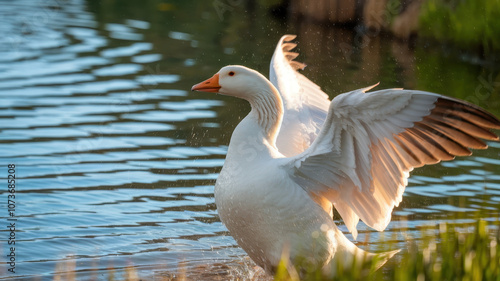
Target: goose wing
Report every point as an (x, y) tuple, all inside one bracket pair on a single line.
[(361, 159), (305, 104)]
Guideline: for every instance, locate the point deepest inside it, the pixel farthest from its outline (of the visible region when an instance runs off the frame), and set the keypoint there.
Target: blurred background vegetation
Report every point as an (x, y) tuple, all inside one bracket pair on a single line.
[(465, 24)]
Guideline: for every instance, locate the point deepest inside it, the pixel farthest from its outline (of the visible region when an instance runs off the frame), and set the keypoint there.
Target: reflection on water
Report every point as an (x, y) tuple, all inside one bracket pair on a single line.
[(116, 158)]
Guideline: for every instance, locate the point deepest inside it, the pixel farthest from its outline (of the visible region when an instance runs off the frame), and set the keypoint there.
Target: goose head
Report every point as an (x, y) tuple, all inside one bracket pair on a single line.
[(235, 80), (248, 84)]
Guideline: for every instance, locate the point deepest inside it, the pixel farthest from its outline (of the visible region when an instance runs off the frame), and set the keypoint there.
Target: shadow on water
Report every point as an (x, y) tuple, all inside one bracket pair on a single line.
[(116, 158)]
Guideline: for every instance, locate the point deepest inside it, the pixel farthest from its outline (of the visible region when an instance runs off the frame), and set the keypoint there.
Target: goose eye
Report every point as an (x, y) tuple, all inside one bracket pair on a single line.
[(231, 73)]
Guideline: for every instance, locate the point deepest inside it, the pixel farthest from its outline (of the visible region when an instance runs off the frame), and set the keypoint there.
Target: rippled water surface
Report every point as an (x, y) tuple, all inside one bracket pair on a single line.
[(116, 159)]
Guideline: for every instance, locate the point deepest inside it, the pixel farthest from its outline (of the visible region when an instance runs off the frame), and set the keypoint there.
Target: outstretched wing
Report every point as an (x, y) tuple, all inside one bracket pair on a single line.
[(370, 142), (306, 106)]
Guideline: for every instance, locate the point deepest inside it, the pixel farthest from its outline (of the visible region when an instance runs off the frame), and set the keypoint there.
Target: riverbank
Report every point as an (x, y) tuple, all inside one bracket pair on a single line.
[(467, 25)]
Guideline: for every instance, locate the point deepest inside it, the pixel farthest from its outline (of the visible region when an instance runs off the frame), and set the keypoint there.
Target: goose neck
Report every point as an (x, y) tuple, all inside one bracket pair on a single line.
[(267, 109)]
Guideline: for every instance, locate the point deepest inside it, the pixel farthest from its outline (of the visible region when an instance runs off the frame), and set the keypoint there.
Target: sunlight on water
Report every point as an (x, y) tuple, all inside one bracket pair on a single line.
[(116, 159)]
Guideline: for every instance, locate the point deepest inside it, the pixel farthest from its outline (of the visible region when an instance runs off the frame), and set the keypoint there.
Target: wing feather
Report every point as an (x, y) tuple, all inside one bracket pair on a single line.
[(361, 159), (306, 106)]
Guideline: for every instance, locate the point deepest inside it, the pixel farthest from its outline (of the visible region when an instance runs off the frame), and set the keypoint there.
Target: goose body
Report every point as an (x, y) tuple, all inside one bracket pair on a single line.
[(260, 207), (296, 156)]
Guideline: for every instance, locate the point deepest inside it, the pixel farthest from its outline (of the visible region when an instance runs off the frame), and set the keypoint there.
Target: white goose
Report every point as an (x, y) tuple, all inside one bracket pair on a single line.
[(296, 154)]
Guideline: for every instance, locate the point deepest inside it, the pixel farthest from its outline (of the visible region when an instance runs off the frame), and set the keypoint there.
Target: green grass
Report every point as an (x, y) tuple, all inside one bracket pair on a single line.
[(447, 252), (459, 251), (469, 24)]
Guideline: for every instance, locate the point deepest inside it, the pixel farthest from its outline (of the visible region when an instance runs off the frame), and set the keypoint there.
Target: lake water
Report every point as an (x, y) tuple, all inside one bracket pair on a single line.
[(115, 158)]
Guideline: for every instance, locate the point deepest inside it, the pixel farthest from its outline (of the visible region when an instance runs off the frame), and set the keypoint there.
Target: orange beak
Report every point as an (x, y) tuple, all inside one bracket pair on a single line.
[(210, 85)]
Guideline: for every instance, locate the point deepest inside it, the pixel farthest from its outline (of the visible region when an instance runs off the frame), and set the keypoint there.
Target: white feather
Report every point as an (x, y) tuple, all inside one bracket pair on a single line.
[(305, 105)]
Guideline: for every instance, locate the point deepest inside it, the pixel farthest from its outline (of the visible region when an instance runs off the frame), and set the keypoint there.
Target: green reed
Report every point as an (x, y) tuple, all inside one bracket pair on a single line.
[(445, 252)]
